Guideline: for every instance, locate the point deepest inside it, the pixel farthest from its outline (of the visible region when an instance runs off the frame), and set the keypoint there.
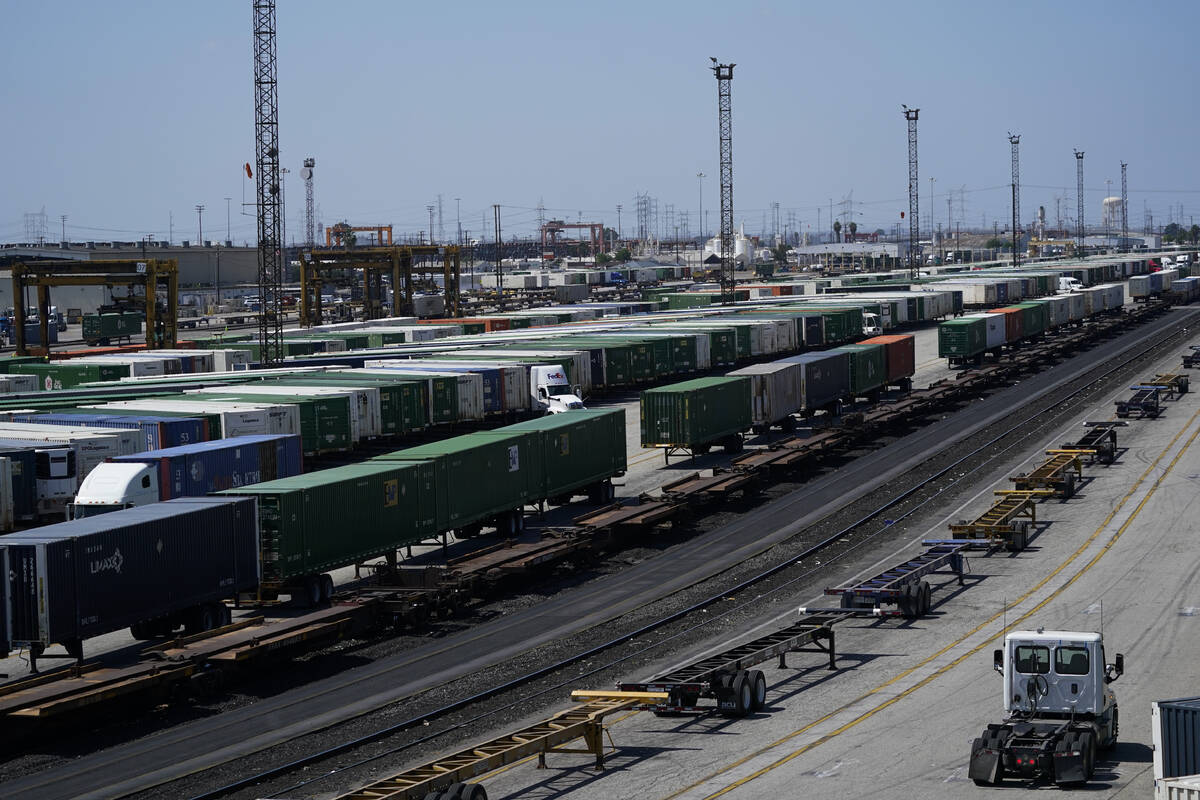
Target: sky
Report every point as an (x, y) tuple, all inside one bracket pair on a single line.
[(125, 115)]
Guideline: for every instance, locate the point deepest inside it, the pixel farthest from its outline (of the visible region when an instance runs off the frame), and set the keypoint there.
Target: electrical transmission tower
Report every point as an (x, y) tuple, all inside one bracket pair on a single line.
[(914, 232), (1015, 141), (1124, 210), (309, 215), (724, 76), (266, 157), (1079, 229)]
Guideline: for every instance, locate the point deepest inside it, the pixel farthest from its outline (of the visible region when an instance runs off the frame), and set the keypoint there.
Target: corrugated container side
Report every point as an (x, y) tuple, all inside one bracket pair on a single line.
[(899, 355), (1176, 735), (866, 367), (824, 377), (1013, 323), (695, 412), (775, 390)]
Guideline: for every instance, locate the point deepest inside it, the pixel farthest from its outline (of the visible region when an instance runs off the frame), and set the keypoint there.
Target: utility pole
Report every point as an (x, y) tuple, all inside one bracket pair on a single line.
[(499, 259), (228, 238), (1079, 228), (1015, 141), (914, 230), (430, 209), (63, 218), (200, 215), (458, 218), (724, 75), (703, 233), (266, 157), (931, 238), (618, 222), (1108, 213), (1124, 209)]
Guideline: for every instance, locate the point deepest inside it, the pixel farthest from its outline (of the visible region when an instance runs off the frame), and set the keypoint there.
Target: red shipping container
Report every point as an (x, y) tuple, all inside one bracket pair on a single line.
[(899, 354), (1014, 327)]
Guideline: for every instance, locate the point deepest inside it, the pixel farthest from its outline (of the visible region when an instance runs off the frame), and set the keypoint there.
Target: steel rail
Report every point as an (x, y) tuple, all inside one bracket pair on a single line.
[(1158, 341)]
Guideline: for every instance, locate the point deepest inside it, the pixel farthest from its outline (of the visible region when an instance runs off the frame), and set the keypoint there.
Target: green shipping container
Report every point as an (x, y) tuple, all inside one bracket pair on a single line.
[(678, 300), (965, 337), (1035, 320), (66, 375), (402, 403), (336, 517), (867, 372), (480, 478), (383, 338), (578, 449), (695, 413), (101, 327), (324, 421), (625, 363), (439, 393)]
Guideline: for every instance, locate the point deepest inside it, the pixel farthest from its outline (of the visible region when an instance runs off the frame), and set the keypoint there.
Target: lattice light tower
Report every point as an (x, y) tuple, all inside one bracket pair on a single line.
[(1015, 141), (309, 215), (914, 206), (724, 76), (1079, 229), (266, 157), (1124, 210)]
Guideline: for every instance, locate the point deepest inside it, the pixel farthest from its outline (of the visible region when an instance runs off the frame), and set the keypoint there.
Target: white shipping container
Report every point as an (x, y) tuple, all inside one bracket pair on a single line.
[(995, 327), (470, 386), (581, 370), (129, 441), (774, 391), (366, 419), (228, 360), (234, 421), (514, 378), (1139, 286), (974, 293), (1075, 306), (1114, 295), (1057, 313), (138, 368), (91, 448), (15, 384)]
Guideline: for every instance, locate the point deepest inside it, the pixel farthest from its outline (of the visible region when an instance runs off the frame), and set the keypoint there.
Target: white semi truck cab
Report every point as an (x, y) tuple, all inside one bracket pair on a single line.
[(1060, 710), (552, 392), (1068, 285), (871, 324), (115, 485)]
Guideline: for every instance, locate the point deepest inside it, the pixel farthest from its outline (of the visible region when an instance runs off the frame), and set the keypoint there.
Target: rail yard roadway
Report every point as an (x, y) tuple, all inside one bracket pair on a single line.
[(846, 736), (909, 697)]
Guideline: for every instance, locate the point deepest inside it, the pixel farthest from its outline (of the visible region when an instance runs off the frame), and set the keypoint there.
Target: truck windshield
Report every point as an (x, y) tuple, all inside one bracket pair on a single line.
[(1071, 661), (1033, 659), (555, 391)]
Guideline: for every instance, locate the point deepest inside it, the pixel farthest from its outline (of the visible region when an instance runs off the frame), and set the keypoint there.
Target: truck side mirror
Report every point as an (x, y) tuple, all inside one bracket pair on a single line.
[(998, 661), (1115, 670)]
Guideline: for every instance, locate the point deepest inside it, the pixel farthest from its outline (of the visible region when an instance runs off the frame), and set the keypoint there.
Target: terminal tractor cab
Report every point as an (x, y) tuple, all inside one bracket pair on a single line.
[(1060, 711)]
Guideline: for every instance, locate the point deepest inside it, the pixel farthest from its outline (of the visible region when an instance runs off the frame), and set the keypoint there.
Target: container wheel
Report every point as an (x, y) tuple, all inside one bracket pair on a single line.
[(139, 631), (701, 449), (909, 601), (743, 694), (326, 589), (788, 424), (519, 520), (1068, 490), (472, 791), (758, 683), (310, 593), (733, 444), (926, 597)]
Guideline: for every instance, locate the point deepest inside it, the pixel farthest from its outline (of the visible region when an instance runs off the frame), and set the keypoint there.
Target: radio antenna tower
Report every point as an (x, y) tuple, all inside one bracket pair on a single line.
[(1124, 210), (266, 157), (724, 76), (309, 215), (1079, 229), (914, 230), (1015, 141)]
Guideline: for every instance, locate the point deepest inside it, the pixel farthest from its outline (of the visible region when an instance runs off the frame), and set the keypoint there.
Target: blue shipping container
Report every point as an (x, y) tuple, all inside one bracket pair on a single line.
[(199, 469), (75, 580), (158, 432)]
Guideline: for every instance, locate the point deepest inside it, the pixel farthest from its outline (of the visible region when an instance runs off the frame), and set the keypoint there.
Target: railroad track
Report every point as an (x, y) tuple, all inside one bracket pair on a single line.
[(117, 771)]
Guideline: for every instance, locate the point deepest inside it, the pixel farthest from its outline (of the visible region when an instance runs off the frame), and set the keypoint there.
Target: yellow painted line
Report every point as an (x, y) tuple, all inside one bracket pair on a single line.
[(942, 670)]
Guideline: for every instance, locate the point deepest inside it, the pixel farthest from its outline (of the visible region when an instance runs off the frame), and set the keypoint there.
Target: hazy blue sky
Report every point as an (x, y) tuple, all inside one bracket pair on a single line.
[(118, 113)]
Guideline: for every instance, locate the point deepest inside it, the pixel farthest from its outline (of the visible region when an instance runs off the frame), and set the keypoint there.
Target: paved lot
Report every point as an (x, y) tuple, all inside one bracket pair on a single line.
[(900, 713)]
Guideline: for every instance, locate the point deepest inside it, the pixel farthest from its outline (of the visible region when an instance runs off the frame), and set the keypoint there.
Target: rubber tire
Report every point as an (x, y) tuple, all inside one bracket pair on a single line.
[(326, 581), (1087, 743), (473, 791), (926, 598), (200, 619), (519, 520), (1116, 729), (743, 692), (758, 684), (701, 449), (910, 601), (1068, 486), (610, 492), (140, 631)]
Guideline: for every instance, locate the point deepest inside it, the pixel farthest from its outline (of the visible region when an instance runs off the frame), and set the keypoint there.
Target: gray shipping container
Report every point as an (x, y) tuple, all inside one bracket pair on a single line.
[(1175, 731), (824, 377), (75, 580), (774, 392)]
